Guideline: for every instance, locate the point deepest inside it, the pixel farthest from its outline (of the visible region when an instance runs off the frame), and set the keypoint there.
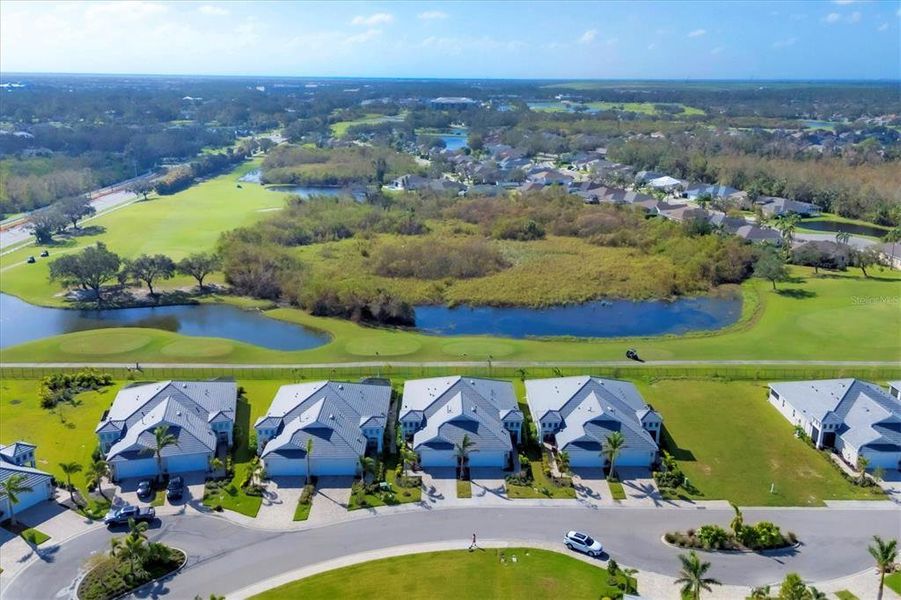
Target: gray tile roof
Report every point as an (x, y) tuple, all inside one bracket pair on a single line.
[(451, 407), (33, 477), (186, 407), (591, 408), (867, 414), (331, 413), (11, 452)]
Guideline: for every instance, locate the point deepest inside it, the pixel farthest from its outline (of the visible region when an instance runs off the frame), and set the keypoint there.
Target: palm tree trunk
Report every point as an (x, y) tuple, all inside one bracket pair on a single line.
[(881, 584), (12, 512)]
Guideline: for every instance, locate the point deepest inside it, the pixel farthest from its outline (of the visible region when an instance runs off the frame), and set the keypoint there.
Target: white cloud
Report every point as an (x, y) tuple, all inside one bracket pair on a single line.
[(373, 19), (882, 27), (588, 36), (214, 11), (833, 17), (697, 33), (785, 43), (431, 15), (716, 50)]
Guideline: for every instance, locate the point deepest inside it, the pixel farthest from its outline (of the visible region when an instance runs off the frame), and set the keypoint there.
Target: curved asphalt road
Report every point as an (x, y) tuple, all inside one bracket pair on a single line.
[(225, 557)]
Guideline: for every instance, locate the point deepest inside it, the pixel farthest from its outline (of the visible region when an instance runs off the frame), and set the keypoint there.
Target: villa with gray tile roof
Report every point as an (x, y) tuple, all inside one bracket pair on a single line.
[(200, 414), (342, 419), (578, 413), (856, 418), (438, 412), (18, 459)]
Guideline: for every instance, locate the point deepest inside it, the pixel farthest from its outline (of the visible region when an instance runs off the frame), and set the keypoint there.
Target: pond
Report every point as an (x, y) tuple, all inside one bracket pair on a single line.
[(835, 226), (305, 191), (23, 322), (607, 318), (454, 139)]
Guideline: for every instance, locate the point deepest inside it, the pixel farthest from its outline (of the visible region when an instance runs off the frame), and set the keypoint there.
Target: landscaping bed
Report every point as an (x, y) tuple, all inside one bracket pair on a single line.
[(536, 481), (109, 578), (302, 512), (759, 537)]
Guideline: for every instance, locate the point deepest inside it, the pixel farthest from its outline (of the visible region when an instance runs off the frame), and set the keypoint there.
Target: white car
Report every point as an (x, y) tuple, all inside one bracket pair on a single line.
[(576, 540)]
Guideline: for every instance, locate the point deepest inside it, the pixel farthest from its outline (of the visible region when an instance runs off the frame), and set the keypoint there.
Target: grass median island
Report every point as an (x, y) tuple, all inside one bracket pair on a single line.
[(732, 445), (464, 489), (458, 575)]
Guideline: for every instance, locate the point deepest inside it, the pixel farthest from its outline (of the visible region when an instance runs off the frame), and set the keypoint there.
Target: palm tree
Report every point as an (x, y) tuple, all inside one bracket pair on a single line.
[(692, 576), (893, 237), (815, 594), (842, 237), (760, 593), (12, 487), (884, 553), (70, 469), (98, 470), (309, 459), (162, 440), (787, 224), (563, 462), (738, 522), (862, 463), (367, 465), (408, 457), (613, 445), (462, 451)]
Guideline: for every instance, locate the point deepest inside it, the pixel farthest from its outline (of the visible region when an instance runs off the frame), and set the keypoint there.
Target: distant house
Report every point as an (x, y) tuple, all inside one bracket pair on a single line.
[(665, 183), (773, 206), (890, 254), (696, 190), (643, 177), (723, 222), (759, 235), (412, 183), (453, 103), (579, 413), (853, 417), (680, 212), (200, 414), (343, 420), (611, 195), (551, 177), (18, 459), (438, 412)]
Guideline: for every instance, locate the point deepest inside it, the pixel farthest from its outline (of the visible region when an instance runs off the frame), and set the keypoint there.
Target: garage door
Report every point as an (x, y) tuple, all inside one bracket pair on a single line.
[(437, 458), (142, 467), (285, 467), (187, 463), (886, 460), (487, 459), (634, 458), (585, 459)]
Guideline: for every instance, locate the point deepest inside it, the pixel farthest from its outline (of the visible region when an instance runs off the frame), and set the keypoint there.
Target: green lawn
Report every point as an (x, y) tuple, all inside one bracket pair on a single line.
[(339, 128), (893, 582), (305, 503), (845, 595), (541, 487), (176, 225), (34, 536), (457, 575), (801, 321), (731, 444), (464, 489)]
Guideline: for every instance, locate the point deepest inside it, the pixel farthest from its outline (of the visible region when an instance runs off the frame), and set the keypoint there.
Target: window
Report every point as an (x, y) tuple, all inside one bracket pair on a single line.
[(776, 395)]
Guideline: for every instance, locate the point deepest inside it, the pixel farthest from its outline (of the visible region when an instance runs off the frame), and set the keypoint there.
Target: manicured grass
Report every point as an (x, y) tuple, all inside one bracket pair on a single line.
[(464, 489), (177, 225), (159, 498), (893, 582), (732, 445), (457, 575), (35, 537), (616, 490), (542, 486), (801, 321), (339, 128), (845, 595)]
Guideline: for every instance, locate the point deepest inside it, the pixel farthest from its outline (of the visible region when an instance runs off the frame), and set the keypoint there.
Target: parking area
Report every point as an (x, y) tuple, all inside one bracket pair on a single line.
[(280, 501), (591, 486), (127, 491), (639, 486), (331, 499), (439, 484), (488, 486)]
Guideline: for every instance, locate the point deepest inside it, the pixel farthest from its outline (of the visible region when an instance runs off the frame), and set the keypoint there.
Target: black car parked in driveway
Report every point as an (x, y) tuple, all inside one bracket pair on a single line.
[(145, 490), (176, 488)]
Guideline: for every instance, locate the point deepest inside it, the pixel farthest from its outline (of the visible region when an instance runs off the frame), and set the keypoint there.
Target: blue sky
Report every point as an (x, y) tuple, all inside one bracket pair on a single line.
[(718, 39)]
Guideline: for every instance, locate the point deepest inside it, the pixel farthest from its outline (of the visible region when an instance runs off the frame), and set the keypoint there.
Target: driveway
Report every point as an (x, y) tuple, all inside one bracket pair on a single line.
[(591, 486), (331, 499), (439, 485), (488, 486), (126, 492), (639, 485), (280, 501), (891, 483)]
